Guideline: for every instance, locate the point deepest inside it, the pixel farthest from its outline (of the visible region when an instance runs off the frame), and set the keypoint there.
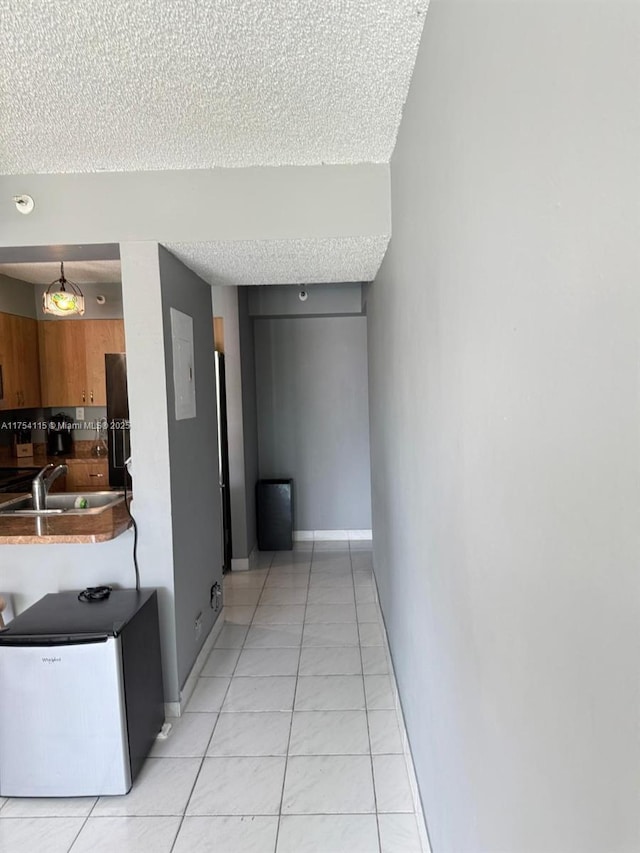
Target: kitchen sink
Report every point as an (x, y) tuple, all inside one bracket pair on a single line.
[(62, 503)]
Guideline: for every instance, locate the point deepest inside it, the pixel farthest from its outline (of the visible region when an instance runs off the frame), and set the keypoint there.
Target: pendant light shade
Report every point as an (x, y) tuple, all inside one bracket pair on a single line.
[(63, 297)]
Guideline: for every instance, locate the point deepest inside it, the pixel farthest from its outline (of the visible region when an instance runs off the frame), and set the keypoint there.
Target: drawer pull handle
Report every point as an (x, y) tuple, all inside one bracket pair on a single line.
[(96, 475)]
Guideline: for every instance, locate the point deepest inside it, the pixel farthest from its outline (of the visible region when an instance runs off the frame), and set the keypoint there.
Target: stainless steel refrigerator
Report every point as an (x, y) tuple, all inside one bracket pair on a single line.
[(118, 431)]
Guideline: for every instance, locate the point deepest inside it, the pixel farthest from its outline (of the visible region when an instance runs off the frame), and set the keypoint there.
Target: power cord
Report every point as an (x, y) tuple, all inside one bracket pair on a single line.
[(94, 593), (133, 523)]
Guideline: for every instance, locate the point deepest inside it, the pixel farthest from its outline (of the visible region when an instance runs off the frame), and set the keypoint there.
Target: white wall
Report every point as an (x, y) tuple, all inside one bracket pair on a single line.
[(503, 347)]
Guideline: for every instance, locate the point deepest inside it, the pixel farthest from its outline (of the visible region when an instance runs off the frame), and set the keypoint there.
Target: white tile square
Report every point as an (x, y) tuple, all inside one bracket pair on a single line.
[(368, 613), (242, 596), (238, 615), (375, 660), (379, 692), (39, 834), (331, 595), (251, 733), (329, 733), (337, 568), (251, 578), (371, 634), (361, 560), (287, 581), (162, 788), (268, 693), (365, 595), (328, 834), (273, 636), (238, 786), (330, 693), (231, 637), (127, 835), (247, 834), (363, 577), (283, 595), (339, 660), (188, 737), (331, 634), (321, 544), (263, 662), (208, 694), (393, 792), (322, 580), (322, 613), (221, 662), (361, 542), (48, 807), (399, 833), (384, 732), (298, 557), (299, 568), (328, 784), (288, 614)]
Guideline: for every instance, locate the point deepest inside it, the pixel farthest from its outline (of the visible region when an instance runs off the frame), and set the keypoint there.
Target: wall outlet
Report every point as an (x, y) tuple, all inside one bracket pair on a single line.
[(80, 413), (215, 596)]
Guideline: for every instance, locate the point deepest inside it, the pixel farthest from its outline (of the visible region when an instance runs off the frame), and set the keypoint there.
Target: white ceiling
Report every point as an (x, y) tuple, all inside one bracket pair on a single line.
[(284, 261), (184, 84), (79, 272)]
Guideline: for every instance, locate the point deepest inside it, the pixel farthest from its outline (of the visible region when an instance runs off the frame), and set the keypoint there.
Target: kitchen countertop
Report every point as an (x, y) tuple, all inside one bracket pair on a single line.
[(61, 529)]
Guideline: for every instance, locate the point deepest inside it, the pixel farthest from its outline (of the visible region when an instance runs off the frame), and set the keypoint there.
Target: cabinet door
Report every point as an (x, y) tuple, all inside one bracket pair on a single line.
[(19, 360), (101, 337), (62, 363), (87, 476), (25, 349), (9, 398)]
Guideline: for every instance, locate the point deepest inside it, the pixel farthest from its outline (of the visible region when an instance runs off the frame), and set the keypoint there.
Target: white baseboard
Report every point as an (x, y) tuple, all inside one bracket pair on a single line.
[(175, 709), (243, 564), (330, 535)]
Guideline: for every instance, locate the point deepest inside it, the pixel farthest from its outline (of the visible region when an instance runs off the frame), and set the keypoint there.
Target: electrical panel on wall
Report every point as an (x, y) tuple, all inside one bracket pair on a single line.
[(184, 378)]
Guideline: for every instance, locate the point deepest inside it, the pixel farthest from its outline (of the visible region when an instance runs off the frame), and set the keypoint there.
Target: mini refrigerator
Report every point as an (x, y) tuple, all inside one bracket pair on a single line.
[(81, 697)]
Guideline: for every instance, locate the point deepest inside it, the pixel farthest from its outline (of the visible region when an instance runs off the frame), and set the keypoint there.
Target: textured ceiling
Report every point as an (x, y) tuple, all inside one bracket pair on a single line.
[(80, 272), (284, 261), (183, 84)]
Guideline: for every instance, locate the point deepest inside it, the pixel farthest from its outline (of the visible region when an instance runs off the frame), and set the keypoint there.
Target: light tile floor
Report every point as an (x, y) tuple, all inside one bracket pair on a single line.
[(290, 742)]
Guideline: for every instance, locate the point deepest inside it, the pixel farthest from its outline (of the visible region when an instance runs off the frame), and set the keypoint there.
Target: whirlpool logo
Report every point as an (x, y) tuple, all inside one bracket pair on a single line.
[(51, 660)]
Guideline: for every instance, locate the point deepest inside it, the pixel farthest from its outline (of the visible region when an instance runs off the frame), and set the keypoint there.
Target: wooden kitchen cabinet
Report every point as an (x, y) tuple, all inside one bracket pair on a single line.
[(72, 360), (20, 362), (87, 475)]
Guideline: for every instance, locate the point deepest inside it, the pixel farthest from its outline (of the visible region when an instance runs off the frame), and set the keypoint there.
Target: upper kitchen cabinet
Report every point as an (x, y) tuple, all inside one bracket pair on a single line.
[(72, 360), (20, 387)]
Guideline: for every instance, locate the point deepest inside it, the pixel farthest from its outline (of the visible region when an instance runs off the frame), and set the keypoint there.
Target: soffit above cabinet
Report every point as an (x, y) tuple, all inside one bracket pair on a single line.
[(154, 85)]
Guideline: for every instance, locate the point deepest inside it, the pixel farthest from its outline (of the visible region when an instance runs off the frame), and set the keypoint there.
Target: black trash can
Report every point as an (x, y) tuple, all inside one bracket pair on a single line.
[(274, 507)]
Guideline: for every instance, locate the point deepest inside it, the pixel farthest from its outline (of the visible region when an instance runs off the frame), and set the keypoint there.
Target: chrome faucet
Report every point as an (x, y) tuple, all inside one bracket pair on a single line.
[(43, 481)]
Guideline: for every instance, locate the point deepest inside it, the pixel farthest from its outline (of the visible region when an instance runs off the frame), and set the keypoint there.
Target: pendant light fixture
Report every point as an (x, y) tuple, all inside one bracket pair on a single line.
[(58, 300)]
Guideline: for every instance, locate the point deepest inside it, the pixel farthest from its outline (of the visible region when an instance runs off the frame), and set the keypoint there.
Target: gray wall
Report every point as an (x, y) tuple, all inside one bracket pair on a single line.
[(283, 299), (16, 297), (505, 425), (195, 496), (311, 379), (249, 415)]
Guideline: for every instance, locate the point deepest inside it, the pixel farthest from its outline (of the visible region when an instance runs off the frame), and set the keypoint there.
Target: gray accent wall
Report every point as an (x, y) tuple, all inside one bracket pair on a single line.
[(193, 455), (505, 413), (249, 414), (312, 406), (16, 297), (281, 300)]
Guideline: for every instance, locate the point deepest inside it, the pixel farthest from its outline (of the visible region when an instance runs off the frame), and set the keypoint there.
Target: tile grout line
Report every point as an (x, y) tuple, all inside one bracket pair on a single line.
[(366, 706), (293, 705), (197, 776)]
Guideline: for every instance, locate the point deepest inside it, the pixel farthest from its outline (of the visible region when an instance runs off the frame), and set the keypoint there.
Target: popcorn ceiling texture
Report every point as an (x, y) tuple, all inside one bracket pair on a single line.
[(187, 84), (284, 261), (79, 272)]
